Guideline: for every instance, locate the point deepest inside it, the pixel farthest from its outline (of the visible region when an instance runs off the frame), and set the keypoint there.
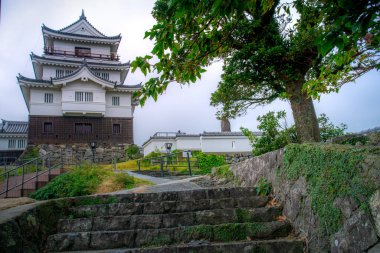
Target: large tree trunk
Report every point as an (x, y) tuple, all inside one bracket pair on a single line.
[(225, 125), (303, 113)]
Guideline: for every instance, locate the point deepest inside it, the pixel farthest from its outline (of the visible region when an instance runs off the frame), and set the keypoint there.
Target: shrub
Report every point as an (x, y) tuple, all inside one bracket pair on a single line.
[(263, 187), (133, 152), (275, 133), (208, 161)]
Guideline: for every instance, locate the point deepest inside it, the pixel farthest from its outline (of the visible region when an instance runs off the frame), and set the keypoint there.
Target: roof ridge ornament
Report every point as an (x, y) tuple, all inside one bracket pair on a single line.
[(82, 16)]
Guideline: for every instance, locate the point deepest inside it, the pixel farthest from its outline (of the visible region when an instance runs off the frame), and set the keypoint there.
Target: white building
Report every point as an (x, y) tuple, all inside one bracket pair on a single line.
[(78, 93), (208, 142), (13, 139)]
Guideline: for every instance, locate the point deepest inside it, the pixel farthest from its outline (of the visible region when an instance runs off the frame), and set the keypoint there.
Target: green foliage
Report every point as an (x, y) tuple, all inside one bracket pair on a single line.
[(267, 52), (223, 172), (328, 130), (133, 152), (82, 180), (263, 187), (275, 134), (86, 180), (209, 161), (30, 153), (349, 42), (331, 171)]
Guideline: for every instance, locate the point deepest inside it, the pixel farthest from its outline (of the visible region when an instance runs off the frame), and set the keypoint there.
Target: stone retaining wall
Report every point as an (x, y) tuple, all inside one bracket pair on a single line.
[(360, 231)]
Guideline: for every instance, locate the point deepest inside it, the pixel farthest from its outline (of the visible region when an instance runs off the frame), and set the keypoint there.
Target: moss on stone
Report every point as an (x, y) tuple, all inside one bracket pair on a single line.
[(242, 215), (331, 171)]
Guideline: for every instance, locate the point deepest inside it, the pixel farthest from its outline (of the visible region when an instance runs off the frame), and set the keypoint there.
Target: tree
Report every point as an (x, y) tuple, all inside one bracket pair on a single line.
[(349, 43), (265, 58)]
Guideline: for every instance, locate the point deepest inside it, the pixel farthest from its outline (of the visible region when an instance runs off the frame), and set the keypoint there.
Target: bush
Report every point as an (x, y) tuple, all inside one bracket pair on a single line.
[(209, 161), (276, 134), (133, 152)]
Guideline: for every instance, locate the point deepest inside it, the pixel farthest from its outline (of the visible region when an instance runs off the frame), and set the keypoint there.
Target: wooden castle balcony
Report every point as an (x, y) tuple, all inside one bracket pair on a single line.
[(82, 54)]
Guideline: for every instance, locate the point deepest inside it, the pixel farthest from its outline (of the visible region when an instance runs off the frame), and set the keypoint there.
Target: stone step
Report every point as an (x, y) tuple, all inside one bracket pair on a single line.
[(167, 236), (120, 209), (170, 220), (210, 193), (267, 246)]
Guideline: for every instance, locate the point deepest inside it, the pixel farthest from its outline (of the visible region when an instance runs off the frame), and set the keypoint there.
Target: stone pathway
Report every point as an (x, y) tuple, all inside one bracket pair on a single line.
[(162, 184)]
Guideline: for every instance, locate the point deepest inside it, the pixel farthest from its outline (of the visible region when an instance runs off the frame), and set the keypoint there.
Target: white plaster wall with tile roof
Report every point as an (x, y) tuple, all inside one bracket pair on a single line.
[(224, 144), (70, 46), (38, 105), (68, 97), (188, 143), (124, 109), (158, 144)]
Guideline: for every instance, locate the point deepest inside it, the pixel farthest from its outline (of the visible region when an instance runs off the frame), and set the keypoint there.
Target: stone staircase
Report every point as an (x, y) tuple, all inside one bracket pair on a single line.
[(204, 220)]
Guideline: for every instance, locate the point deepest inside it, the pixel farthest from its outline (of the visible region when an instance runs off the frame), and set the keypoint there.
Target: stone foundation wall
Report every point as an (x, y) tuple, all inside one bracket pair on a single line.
[(77, 153), (360, 231)]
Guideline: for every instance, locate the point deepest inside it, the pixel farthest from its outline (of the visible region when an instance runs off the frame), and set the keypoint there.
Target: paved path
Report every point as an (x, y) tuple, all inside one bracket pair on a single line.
[(162, 184)]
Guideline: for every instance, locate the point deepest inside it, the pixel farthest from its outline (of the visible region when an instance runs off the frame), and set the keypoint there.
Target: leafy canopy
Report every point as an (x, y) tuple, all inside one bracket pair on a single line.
[(189, 35)]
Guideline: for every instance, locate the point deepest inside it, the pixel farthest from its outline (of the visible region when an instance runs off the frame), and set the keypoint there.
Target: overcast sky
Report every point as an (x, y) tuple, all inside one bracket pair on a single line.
[(187, 108)]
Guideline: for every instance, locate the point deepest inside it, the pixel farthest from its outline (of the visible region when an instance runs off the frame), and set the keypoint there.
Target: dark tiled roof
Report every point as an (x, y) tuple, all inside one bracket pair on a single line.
[(27, 79), (137, 86), (44, 27), (14, 127), (227, 133), (187, 135), (34, 56)]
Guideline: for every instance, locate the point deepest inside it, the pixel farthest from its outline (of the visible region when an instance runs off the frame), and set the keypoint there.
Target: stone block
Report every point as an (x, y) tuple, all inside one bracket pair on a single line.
[(374, 203), (357, 234)]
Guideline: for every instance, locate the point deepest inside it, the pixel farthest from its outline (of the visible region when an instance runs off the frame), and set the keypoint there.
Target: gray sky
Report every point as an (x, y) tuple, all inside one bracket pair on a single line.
[(186, 108)]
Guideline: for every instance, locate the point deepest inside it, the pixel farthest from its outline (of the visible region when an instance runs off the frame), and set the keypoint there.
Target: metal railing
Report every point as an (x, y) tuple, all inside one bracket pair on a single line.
[(78, 53), (172, 164), (39, 166)]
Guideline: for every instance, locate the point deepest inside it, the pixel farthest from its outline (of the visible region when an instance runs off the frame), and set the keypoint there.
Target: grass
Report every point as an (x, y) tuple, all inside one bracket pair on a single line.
[(86, 180)]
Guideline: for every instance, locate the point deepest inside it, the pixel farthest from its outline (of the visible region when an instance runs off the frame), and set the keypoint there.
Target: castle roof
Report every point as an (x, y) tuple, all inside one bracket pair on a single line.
[(13, 127), (81, 30)]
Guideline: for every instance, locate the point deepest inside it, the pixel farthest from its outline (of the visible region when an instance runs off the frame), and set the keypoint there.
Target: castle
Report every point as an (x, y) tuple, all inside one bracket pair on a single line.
[(78, 93)]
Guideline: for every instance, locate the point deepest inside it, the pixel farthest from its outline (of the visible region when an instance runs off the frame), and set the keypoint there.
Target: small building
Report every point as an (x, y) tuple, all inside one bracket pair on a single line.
[(78, 93), (13, 139), (208, 142)]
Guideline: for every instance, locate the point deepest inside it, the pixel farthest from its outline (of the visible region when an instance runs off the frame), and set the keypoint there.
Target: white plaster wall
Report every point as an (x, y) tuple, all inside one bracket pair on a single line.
[(155, 144), (38, 105), (50, 71), (68, 97), (125, 108), (223, 144), (188, 143), (70, 46), (4, 143)]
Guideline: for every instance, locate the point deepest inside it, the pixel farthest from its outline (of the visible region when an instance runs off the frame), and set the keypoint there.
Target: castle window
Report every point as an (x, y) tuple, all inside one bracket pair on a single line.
[(49, 98), (115, 101), (83, 96), (83, 128), (116, 129), (106, 76), (59, 73), (11, 143), (48, 127), (69, 71), (21, 144), (103, 75), (82, 51)]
